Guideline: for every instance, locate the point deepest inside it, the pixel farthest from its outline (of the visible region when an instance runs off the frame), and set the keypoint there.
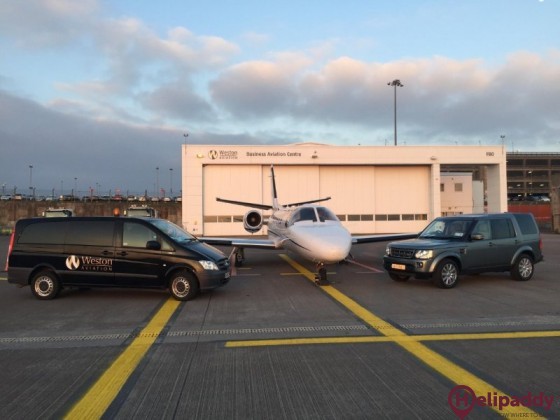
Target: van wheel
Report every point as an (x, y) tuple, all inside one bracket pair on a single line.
[(45, 285), (399, 277), (523, 268), (446, 275), (183, 285)]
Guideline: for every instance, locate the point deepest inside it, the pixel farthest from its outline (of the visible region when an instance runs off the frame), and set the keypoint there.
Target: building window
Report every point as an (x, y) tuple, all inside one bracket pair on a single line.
[(380, 217), (353, 217), (394, 217), (367, 217), (442, 187), (459, 187)]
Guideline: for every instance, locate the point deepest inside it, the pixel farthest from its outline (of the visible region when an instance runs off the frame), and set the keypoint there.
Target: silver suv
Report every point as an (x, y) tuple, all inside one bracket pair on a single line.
[(473, 243)]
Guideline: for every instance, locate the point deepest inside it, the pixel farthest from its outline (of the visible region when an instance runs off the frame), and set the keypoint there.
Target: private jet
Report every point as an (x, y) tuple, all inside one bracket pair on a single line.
[(306, 229)]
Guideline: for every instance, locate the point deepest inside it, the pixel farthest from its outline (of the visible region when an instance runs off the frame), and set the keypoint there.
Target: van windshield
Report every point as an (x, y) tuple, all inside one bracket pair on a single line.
[(172, 230)]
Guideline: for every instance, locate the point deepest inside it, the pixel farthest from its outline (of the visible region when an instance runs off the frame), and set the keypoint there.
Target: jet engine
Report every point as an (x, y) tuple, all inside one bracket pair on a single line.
[(252, 221)]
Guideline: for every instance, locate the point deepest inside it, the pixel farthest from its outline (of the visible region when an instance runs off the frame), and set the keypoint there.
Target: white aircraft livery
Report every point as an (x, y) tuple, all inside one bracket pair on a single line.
[(306, 229)]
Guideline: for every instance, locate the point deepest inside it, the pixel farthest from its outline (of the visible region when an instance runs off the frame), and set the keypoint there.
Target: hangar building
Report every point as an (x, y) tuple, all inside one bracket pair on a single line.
[(373, 189)]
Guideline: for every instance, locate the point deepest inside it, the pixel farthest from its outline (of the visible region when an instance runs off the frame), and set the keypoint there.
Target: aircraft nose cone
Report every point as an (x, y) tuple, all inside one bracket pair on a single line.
[(333, 244)]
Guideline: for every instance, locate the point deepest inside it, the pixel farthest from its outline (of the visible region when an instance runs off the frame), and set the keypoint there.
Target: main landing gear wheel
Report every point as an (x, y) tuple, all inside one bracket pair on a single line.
[(321, 275), (237, 257)]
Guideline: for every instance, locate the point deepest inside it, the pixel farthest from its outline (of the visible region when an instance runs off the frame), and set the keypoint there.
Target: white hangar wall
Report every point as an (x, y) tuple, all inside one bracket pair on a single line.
[(372, 189)]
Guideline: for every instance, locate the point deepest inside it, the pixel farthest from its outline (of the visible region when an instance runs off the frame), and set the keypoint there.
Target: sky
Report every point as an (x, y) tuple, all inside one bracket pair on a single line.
[(98, 95)]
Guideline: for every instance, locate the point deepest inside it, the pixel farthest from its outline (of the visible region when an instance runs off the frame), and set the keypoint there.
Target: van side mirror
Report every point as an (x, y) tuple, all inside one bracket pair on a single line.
[(153, 245)]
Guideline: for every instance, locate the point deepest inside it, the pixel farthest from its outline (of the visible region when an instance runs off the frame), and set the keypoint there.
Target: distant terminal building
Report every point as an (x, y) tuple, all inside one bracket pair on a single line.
[(373, 189)]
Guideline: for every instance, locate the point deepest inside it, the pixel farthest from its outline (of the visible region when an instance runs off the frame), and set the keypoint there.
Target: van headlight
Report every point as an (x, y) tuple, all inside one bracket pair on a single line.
[(208, 265), (424, 254)]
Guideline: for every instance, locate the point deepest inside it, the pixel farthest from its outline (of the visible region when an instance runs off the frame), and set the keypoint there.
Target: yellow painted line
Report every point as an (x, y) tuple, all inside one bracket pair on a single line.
[(445, 367), (385, 339), (98, 398), (4, 278)]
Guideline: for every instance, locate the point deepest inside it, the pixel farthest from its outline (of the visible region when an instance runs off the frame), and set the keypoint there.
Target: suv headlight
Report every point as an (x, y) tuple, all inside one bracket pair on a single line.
[(208, 265), (388, 250), (424, 254)]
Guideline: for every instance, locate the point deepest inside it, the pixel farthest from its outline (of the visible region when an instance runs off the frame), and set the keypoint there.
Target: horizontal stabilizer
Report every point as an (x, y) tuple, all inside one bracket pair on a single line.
[(243, 203), (308, 202)]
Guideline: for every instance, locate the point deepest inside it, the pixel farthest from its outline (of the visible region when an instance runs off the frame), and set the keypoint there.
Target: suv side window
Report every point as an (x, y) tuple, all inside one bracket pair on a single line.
[(482, 227), (136, 235), (526, 224), (502, 228)]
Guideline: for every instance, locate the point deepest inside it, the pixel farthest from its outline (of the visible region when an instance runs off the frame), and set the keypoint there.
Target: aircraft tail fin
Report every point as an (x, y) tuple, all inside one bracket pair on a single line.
[(275, 204)]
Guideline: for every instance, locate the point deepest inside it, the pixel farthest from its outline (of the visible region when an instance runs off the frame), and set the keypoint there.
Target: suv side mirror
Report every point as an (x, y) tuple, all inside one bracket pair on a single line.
[(153, 245), (477, 236)]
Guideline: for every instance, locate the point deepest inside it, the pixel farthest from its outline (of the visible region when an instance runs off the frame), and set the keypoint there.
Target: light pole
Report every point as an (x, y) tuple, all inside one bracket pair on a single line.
[(395, 83), (170, 182), (31, 179), (157, 182)]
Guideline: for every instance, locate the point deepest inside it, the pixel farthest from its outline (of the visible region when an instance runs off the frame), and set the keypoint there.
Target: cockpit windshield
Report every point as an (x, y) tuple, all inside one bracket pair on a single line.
[(312, 214), (325, 214)]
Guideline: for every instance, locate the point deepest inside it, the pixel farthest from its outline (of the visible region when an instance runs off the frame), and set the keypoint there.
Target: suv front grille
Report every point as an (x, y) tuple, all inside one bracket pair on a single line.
[(402, 253)]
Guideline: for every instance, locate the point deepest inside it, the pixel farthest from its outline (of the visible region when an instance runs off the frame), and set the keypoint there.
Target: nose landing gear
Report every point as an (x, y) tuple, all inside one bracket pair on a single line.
[(321, 275)]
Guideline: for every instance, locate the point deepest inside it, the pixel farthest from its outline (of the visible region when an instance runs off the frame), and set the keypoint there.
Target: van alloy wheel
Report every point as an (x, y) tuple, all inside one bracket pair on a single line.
[(183, 286), (45, 285)]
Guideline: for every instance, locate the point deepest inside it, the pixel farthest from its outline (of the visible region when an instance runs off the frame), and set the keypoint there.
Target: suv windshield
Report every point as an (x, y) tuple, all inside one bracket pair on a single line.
[(447, 229), (172, 230)]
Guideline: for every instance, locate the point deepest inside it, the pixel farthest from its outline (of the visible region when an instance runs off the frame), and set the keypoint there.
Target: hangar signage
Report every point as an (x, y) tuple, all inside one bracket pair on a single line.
[(234, 154)]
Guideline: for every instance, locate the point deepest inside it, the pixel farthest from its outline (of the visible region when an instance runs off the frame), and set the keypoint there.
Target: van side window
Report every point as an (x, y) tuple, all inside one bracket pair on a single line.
[(136, 235), (44, 233), (502, 228), (94, 233)]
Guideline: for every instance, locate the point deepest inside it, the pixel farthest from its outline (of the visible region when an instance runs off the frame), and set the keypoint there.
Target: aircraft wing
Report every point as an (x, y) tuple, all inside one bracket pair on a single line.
[(361, 239), (241, 242)]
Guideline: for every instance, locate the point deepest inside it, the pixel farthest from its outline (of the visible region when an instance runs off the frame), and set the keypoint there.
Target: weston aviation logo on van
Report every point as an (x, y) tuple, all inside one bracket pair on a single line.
[(74, 262)]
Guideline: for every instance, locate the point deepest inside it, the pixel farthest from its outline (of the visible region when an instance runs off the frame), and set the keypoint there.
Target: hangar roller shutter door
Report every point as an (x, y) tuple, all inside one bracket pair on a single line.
[(369, 199)]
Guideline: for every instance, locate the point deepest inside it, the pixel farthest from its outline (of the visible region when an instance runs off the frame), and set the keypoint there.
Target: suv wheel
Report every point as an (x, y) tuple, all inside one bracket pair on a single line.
[(446, 275), (522, 269), (183, 285), (45, 285)]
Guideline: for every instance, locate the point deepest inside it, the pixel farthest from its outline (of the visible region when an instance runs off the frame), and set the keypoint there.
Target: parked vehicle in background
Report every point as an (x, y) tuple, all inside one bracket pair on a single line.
[(141, 211), (52, 212), (474, 243), (48, 254)]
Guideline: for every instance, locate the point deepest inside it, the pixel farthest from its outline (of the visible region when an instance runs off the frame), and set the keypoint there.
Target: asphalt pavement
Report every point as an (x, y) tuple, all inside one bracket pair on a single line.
[(271, 344)]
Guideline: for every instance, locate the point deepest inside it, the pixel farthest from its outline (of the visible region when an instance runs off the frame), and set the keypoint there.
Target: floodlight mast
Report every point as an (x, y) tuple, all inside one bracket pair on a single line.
[(395, 83)]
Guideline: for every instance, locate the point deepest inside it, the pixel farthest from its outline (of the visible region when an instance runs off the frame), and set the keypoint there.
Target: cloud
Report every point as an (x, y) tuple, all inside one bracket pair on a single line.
[(46, 23)]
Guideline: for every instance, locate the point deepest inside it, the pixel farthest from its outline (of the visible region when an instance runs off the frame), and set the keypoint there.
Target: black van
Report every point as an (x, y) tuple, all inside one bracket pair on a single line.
[(50, 253)]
